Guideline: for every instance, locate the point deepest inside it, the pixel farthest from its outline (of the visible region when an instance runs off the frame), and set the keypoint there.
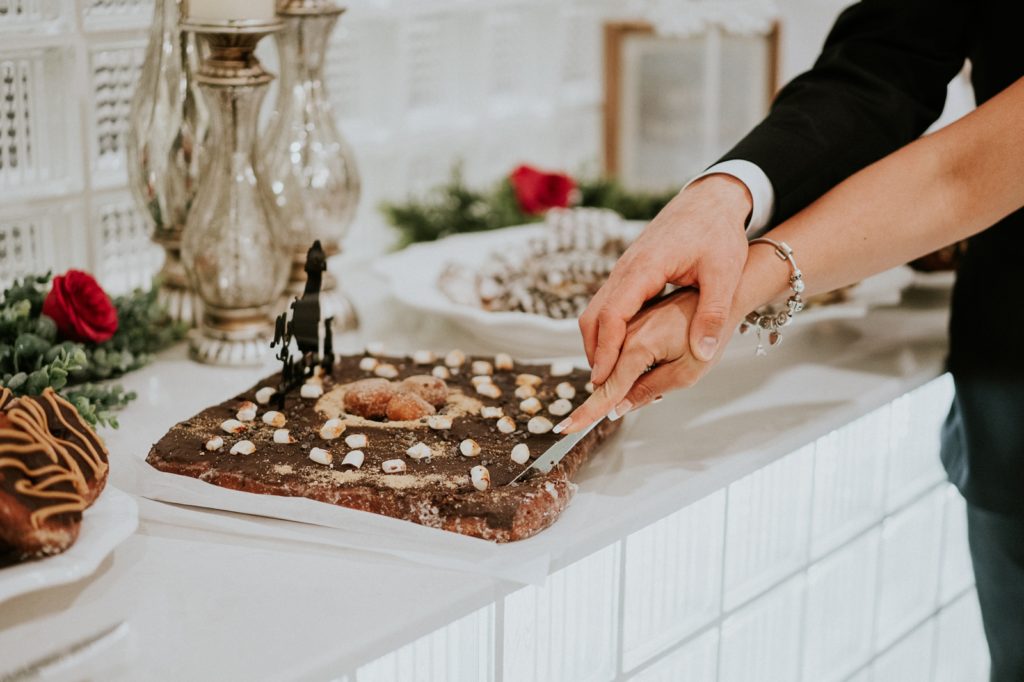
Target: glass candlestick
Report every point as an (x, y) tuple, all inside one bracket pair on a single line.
[(169, 124), (310, 167), (232, 246)]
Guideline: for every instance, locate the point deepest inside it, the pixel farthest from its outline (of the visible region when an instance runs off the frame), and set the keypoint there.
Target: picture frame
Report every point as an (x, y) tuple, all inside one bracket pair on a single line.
[(673, 103)]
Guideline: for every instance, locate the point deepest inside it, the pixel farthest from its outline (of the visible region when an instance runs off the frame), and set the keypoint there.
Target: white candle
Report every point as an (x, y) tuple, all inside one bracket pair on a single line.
[(224, 10)]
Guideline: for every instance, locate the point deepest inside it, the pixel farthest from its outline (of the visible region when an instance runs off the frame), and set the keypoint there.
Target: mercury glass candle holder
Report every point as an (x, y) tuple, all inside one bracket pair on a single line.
[(169, 124), (311, 169), (232, 248)]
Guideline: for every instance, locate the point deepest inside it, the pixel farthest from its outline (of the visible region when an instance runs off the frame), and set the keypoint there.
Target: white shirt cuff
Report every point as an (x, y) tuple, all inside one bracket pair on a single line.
[(760, 187)]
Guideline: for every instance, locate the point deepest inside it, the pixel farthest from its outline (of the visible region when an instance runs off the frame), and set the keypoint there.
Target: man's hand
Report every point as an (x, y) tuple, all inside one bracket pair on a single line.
[(697, 240), (656, 338)]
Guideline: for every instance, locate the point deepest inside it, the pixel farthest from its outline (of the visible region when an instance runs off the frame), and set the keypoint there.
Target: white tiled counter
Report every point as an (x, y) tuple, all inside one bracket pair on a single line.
[(787, 519)]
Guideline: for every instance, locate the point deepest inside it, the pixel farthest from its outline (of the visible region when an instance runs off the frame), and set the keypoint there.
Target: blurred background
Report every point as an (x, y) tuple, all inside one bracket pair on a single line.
[(419, 86)]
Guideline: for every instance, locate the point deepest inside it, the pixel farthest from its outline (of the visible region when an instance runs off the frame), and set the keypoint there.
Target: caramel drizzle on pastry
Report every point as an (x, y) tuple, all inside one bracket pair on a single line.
[(39, 483), (31, 436), (32, 418)]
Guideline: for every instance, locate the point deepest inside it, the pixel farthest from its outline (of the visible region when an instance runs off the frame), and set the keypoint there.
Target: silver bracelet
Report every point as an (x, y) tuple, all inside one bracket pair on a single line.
[(771, 321)]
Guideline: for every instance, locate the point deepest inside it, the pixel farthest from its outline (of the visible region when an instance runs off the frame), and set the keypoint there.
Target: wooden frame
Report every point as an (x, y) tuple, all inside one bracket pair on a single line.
[(615, 38)]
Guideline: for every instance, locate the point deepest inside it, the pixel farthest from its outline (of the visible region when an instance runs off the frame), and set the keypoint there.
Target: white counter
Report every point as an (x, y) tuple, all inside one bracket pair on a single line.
[(724, 522)]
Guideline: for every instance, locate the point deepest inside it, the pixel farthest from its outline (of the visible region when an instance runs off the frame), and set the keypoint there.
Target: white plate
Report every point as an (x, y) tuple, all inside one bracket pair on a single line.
[(414, 272), (105, 525)]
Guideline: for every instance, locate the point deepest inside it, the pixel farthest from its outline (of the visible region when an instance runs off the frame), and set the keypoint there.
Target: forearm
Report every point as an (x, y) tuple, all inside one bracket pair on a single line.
[(931, 193)]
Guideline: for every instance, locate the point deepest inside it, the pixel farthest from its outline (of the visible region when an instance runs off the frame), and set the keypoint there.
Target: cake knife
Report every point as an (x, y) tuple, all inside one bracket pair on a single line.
[(554, 454)]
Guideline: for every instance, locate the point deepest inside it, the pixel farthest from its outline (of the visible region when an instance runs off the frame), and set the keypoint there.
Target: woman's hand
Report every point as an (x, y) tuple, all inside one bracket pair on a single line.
[(699, 240), (656, 338)]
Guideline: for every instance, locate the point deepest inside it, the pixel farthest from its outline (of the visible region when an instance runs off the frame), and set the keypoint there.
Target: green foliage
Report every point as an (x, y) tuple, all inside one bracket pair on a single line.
[(454, 208), (609, 193), (97, 403), (32, 358)]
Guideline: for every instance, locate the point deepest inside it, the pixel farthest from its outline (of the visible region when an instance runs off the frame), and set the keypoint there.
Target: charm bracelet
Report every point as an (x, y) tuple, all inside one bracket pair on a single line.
[(771, 322)]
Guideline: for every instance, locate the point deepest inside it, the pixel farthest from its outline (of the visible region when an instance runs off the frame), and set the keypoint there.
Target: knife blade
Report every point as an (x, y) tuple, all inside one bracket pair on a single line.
[(554, 454)]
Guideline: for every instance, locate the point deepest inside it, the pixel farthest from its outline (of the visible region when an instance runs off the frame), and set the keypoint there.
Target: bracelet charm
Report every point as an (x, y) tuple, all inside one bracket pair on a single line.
[(770, 322)]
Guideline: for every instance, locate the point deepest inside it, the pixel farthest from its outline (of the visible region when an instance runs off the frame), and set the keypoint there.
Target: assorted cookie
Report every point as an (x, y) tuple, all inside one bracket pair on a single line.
[(555, 275)]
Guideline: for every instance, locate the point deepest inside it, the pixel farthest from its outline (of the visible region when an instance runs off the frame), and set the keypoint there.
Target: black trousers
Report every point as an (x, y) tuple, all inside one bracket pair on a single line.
[(997, 552)]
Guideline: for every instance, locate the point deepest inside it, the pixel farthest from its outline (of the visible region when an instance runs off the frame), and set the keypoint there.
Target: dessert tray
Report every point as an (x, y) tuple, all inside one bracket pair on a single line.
[(435, 441), (428, 278), (105, 525), (445, 278)]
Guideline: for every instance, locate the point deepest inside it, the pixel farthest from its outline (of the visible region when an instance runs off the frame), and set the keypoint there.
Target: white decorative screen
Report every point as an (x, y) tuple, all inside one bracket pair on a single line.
[(417, 85)]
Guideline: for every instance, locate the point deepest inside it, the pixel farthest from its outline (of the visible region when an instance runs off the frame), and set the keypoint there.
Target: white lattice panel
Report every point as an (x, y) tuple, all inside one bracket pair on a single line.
[(580, 54), (36, 241), (516, 42), (42, 16), (26, 246), (114, 70), (673, 579), (100, 15), (418, 86), (124, 257), (567, 629), (38, 145), (431, 69), (767, 523), (460, 652), (342, 68)]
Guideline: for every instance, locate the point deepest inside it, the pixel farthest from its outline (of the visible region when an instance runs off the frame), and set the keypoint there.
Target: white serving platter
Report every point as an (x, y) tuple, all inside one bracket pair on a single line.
[(413, 275), (105, 525)]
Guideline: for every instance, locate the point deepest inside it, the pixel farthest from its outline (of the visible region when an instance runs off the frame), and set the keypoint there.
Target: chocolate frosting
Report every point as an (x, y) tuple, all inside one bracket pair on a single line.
[(35, 466), (54, 422), (287, 469)]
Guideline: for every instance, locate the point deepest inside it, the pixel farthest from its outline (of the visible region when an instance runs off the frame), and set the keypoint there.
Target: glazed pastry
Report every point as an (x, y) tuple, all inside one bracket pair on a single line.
[(52, 467), (53, 420)]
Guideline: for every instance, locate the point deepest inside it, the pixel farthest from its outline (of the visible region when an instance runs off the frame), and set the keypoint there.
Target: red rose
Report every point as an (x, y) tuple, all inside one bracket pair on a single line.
[(80, 307), (537, 191)]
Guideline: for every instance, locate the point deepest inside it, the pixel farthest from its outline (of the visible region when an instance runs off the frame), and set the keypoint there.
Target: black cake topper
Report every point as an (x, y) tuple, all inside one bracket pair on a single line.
[(304, 327)]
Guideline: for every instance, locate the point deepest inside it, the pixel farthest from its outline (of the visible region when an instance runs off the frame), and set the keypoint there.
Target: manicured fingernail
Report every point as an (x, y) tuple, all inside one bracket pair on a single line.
[(657, 399), (708, 345), (619, 410), (593, 372), (562, 425)]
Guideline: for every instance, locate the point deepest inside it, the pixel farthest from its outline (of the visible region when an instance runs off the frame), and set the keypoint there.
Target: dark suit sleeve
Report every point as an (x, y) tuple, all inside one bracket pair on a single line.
[(879, 83)]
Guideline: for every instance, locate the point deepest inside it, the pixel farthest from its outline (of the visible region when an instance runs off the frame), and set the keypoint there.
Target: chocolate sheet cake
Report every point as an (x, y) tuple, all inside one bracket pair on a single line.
[(429, 440)]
